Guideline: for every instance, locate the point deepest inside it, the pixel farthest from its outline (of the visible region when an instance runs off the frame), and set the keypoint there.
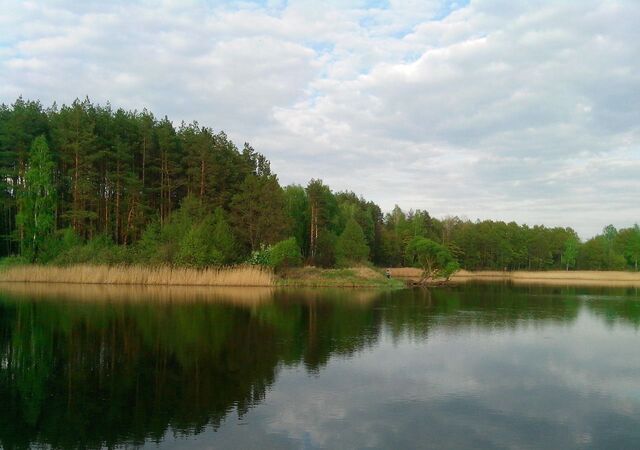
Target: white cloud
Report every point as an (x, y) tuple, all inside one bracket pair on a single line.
[(526, 111)]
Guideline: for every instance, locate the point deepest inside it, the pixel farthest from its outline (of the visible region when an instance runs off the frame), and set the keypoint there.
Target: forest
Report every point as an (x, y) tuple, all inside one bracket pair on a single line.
[(87, 183)]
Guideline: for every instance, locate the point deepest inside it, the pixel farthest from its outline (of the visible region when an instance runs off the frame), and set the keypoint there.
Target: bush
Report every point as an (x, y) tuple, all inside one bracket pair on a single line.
[(58, 243), (260, 257), (147, 250), (13, 260), (99, 250), (285, 254), (196, 249)]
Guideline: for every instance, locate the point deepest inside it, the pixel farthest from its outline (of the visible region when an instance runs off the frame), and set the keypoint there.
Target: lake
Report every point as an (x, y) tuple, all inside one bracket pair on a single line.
[(489, 366)]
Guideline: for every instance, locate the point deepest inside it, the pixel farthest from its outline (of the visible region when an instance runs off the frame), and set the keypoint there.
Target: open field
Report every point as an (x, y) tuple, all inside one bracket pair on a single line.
[(576, 278), (138, 275)]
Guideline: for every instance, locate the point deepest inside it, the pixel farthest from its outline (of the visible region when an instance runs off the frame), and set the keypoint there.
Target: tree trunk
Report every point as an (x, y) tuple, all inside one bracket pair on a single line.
[(201, 180), (75, 192), (118, 203), (144, 156)]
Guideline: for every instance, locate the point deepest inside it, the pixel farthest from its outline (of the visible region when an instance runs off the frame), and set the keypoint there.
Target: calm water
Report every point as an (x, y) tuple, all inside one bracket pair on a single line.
[(479, 366)]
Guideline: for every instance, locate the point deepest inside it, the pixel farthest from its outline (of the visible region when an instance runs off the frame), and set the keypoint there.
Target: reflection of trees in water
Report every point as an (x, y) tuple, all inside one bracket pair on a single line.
[(86, 375), (415, 313), (106, 373)]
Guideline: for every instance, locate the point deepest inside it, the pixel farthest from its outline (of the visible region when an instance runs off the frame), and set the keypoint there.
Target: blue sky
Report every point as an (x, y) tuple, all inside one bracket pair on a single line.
[(509, 110)]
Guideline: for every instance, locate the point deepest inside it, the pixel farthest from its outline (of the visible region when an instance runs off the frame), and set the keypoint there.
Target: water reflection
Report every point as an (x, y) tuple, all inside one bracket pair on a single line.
[(486, 365)]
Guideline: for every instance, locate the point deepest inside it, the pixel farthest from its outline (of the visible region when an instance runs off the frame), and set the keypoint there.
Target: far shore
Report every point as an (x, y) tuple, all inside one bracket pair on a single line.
[(551, 278), (254, 276), (237, 276)]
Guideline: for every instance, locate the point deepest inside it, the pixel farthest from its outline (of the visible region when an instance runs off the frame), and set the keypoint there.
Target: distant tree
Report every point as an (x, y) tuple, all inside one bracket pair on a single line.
[(37, 200), (325, 246), (297, 207), (434, 259), (598, 254), (570, 253), (258, 211), (222, 237), (351, 246), (74, 135), (147, 248), (323, 211), (631, 245)]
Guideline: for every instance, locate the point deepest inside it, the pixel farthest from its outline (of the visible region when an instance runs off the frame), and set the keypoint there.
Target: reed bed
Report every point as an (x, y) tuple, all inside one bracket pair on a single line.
[(139, 275), (552, 278)]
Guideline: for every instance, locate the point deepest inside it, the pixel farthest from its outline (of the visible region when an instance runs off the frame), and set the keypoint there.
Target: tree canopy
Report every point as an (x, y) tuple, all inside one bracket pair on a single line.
[(87, 182)]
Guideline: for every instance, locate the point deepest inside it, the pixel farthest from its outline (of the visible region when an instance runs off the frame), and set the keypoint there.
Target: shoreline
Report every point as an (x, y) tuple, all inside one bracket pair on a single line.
[(164, 277), (551, 278), (311, 277)]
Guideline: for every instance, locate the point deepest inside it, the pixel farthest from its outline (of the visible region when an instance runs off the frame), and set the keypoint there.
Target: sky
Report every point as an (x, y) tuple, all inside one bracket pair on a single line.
[(485, 109)]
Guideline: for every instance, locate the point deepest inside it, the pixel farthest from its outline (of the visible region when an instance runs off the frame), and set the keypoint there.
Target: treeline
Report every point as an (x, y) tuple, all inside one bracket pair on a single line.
[(89, 183)]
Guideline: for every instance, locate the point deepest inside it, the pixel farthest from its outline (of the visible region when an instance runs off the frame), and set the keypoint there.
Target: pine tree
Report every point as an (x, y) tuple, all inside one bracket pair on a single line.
[(351, 246), (74, 136), (258, 211)]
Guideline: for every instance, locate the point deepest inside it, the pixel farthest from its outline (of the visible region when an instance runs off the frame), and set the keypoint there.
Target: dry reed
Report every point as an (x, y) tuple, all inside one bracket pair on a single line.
[(557, 277), (139, 275)]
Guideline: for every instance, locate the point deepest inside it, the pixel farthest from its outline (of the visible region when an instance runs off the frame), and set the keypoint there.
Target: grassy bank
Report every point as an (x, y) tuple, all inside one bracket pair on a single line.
[(552, 278), (353, 277)]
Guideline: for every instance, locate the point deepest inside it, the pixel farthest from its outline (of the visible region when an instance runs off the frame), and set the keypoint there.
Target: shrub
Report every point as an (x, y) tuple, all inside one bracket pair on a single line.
[(285, 254), (260, 257), (99, 250), (12, 261), (197, 250), (58, 243)]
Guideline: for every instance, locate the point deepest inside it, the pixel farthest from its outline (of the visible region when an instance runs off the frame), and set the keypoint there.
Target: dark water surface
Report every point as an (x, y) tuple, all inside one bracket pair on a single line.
[(477, 366)]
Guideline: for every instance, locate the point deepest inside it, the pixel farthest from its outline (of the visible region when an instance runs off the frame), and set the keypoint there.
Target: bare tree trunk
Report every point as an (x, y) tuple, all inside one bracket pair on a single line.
[(201, 180), (144, 156)]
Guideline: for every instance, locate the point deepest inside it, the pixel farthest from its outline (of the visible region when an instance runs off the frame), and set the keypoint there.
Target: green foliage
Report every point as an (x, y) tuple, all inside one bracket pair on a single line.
[(222, 237), (196, 249), (325, 249), (323, 217), (147, 249), (570, 254), (260, 257), (297, 209), (207, 243), (99, 250), (13, 260), (351, 246), (629, 241), (158, 191), (434, 259), (258, 211), (285, 254), (56, 244), (36, 202)]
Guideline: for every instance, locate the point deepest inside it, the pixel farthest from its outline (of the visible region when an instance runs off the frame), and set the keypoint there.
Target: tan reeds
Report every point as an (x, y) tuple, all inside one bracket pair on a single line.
[(139, 275), (555, 277)]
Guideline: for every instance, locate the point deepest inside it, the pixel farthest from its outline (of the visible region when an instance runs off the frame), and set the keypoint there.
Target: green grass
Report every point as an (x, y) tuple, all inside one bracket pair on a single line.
[(355, 277)]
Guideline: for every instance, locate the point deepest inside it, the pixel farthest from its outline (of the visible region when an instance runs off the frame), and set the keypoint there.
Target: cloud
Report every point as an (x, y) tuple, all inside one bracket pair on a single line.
[(522, 111)]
